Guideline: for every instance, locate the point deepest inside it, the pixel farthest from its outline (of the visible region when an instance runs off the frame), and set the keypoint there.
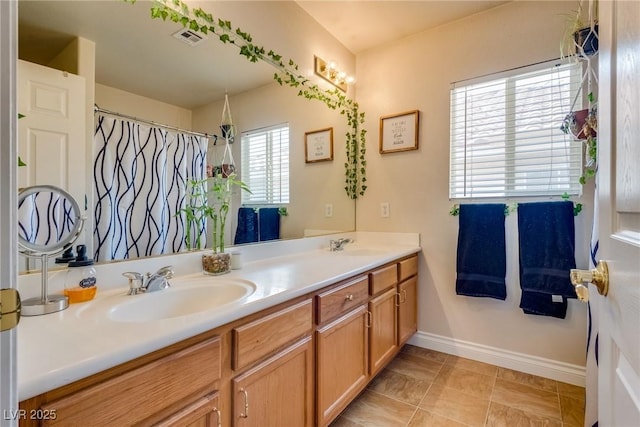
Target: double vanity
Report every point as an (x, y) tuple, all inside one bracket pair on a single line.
[(288, 340)]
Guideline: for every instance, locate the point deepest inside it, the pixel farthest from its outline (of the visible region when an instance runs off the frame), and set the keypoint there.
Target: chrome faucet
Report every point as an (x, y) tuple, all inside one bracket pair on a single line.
[(338, 245), (149, 282)]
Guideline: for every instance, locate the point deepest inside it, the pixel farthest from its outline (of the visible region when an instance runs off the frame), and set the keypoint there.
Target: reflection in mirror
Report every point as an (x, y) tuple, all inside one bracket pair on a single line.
[(49, 220), (183, 86)]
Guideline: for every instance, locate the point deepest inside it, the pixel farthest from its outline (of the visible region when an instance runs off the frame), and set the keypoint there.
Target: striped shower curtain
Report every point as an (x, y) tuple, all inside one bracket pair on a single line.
[(140, 184)]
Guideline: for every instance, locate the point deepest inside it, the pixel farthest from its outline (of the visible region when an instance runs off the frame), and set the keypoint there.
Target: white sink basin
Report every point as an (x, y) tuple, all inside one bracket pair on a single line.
[(185, 297), (361, 251)]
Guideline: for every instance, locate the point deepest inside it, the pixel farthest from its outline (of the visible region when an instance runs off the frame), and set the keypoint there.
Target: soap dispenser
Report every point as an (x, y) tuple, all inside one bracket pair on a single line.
[(80, 283)]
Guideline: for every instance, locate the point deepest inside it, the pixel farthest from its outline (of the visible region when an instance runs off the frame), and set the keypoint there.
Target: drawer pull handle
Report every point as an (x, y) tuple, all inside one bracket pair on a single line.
[(245, 414), (398, 299), (219, 416), (403, 297), (349, 297), (369, 319)]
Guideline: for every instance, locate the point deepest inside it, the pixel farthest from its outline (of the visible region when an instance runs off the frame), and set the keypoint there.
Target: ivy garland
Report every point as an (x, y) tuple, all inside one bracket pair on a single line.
[(200, 21)]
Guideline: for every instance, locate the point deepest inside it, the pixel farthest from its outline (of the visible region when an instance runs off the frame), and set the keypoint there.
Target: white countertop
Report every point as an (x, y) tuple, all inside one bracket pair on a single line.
[(60, 348)]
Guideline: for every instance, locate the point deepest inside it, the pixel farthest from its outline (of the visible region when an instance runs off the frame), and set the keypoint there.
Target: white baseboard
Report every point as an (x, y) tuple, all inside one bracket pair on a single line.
[(553, 369)]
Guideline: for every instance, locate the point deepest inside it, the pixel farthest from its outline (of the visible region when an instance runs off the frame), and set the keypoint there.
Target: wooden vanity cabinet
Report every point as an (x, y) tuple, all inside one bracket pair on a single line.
[(203, 412), (342, 347), (384, 318), (277, 392), (272, 358), (407, 299), (277, 367), (176, 389)]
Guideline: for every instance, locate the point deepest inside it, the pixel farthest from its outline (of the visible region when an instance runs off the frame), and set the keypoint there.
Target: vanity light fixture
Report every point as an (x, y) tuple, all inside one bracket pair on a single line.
[(330, 72)]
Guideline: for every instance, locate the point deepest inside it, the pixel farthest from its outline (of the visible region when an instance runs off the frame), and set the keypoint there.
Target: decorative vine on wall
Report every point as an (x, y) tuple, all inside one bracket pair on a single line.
[(287, 74)]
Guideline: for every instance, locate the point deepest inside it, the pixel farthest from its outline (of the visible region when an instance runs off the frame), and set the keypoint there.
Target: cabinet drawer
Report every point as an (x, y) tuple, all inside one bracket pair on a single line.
[(383, 278), (407, 268), (142, 392), (341, 299), (202, 412), (253, 341)]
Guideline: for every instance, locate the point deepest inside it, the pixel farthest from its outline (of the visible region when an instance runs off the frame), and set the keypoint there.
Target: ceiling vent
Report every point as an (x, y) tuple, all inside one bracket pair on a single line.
[(189, 37)]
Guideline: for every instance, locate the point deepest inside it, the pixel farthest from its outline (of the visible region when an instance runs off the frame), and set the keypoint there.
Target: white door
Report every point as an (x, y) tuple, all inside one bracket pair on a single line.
[(619, 204), (51, 136), (8, 203)]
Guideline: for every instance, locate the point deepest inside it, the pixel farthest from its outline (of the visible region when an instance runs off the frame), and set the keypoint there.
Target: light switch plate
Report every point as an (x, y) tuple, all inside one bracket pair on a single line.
[(384, 210), (328, 210)]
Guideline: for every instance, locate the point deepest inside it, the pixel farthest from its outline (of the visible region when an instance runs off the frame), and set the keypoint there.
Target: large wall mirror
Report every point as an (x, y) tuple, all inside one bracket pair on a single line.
[(135, 66)]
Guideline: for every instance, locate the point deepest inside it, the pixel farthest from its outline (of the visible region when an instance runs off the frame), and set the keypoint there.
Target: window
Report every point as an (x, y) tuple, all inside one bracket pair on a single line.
[(265, 165), (505, 134)]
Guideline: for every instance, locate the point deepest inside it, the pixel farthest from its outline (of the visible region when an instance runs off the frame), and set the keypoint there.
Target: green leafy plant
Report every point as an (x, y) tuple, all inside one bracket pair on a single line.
[(283, 212), (575, 22), (209, 199), (590, 130), (287, 74), (196, 211), (221, 189)]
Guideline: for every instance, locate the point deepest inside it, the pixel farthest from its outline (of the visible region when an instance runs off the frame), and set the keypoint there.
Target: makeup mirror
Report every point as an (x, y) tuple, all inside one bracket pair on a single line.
[(49, 222)]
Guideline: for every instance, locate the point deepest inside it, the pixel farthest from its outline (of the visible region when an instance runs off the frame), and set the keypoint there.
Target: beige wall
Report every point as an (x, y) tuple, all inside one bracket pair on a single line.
[(415, 73), (141, 107)]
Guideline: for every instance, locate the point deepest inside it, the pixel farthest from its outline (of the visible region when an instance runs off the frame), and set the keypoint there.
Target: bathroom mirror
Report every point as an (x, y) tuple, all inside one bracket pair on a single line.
[(49, 220), (136, 58)]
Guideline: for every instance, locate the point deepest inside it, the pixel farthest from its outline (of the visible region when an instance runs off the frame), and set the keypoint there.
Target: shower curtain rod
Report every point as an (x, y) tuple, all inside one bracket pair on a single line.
[(97, 109)]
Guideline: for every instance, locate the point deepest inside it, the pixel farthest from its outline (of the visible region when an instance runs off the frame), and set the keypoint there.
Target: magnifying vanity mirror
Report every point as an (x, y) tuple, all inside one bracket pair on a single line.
[(181, 85), (49, 222)]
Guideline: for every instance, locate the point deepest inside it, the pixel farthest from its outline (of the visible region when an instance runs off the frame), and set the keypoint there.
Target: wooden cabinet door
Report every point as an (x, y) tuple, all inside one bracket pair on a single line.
[(407, 309), (341, 360), (201, 413), (277, 392), (383, 330)]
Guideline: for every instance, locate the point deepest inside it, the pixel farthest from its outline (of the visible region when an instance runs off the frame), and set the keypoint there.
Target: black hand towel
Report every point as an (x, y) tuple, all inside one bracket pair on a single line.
[(481, 262), (547, 246), (247, 229), (269, 220)]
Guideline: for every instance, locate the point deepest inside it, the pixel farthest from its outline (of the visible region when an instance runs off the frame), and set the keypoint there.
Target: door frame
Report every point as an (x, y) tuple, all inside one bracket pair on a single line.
[(8, 203)]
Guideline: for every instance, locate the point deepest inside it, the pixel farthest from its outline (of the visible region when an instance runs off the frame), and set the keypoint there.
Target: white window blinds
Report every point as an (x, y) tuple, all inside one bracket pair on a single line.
[(265, 165), (505, 134)]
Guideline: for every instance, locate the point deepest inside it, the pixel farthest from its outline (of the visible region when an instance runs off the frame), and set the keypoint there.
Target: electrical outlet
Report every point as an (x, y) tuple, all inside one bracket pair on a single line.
[(328, 210), (384, 210)]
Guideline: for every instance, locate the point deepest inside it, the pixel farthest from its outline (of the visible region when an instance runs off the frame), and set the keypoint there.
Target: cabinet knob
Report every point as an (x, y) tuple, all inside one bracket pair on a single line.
[(349, 297)]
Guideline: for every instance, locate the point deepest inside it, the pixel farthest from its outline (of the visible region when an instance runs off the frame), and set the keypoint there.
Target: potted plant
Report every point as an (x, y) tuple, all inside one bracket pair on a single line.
[(220, 190), (580, 38), (196, 211), (583, 126)]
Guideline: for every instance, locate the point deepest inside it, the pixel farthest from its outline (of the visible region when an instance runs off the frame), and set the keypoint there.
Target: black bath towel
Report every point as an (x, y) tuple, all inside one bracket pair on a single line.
[(481, 262), (547, 252)]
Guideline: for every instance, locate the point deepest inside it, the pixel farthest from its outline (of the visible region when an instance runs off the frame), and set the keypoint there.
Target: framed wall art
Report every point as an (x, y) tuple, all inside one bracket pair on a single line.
[(318, 145), (399, 132)]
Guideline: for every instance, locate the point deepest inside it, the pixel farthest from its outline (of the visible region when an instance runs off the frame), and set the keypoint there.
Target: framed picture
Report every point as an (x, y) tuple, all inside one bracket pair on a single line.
[(399, 132), (318, 145)]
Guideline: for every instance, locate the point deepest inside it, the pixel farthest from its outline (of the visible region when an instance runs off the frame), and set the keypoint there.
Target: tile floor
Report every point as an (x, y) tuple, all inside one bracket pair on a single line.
[(423, 387)]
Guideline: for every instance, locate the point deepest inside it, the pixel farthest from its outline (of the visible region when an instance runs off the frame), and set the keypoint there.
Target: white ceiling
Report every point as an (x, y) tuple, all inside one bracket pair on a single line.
[(134, 54), (363, 24)]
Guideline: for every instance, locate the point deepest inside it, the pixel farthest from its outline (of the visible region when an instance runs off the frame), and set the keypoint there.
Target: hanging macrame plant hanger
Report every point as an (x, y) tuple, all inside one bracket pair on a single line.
[(225, 165)]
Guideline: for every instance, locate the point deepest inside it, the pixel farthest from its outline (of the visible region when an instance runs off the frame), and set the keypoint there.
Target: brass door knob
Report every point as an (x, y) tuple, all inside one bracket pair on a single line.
[(599, 276)]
